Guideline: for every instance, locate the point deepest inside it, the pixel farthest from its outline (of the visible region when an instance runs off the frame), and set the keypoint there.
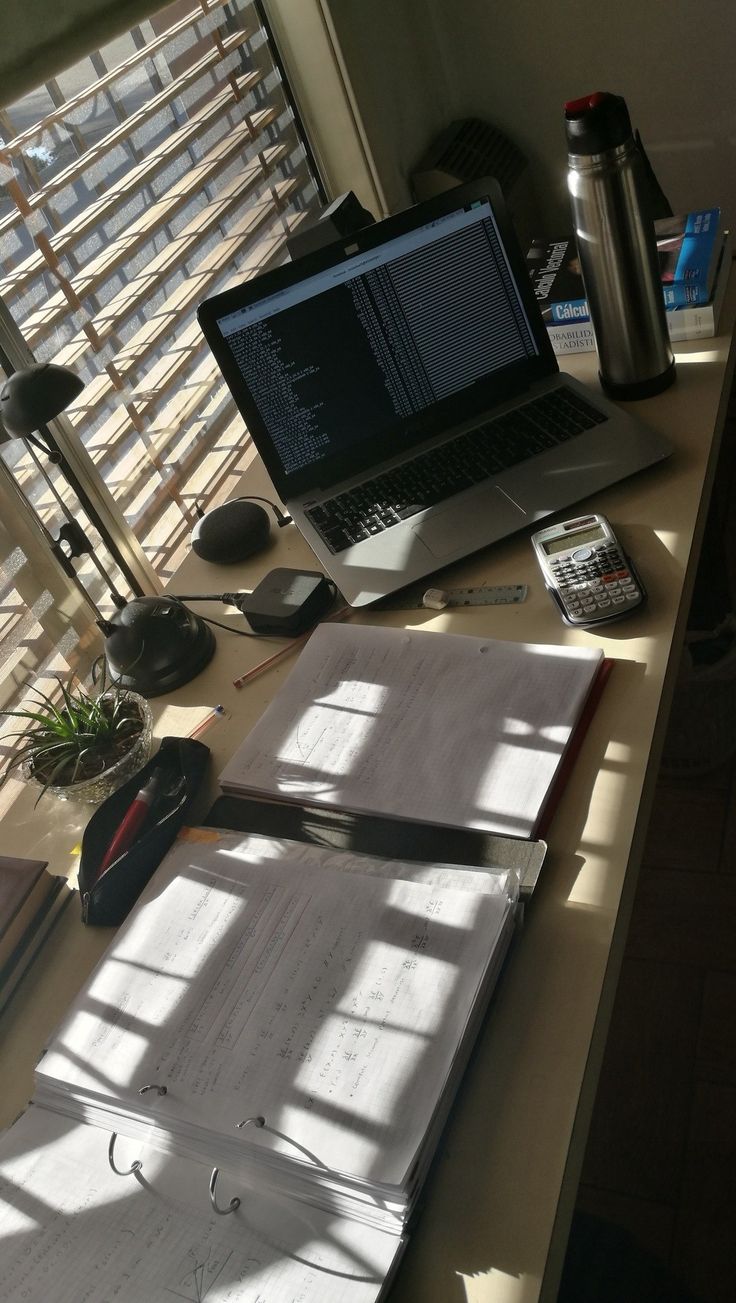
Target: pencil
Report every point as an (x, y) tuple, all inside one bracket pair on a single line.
[(216, 713), (285, 651)]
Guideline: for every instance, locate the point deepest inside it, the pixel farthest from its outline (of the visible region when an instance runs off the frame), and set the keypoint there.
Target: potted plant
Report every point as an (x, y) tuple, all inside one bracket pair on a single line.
[(84, 745)]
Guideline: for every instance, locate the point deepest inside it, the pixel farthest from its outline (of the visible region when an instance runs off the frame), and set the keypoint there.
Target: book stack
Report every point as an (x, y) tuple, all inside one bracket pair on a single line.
[(694, 258), (31, 900)]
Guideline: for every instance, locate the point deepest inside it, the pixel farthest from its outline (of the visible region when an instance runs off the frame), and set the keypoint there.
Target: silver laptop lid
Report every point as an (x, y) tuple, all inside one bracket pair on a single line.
[(362, 350)]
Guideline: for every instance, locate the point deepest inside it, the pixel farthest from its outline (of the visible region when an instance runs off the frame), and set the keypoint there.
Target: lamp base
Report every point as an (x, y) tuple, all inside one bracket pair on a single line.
[(156, 645)]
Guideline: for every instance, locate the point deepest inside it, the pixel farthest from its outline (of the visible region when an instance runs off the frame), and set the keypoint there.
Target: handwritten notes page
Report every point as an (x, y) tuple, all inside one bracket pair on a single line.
[(439, 728), (72, 1231), (256, 979)]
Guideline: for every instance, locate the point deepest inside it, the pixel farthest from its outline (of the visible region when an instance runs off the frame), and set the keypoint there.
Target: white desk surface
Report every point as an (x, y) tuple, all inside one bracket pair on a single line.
[(498, 1202)]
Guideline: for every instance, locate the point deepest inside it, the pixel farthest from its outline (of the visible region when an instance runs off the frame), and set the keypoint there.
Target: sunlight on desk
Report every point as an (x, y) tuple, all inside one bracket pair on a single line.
[(592, 884), (616, 754), (180, 721), (668, 539), (507, 1289), (711, 355)]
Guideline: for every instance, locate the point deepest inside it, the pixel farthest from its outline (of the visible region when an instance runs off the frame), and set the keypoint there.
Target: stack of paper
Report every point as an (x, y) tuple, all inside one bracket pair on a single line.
[(438, 728), (335, 996), (72, 1231)]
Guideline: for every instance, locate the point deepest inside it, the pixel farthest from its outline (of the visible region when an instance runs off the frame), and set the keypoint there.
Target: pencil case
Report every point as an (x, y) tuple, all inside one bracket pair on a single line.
[(106, 898)]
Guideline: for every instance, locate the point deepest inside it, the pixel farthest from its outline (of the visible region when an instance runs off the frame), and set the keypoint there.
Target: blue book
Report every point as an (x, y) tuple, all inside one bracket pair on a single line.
[(688, 249)]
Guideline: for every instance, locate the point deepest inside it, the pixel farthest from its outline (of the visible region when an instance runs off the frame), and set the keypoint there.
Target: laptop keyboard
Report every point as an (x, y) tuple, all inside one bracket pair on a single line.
[(458, 464)]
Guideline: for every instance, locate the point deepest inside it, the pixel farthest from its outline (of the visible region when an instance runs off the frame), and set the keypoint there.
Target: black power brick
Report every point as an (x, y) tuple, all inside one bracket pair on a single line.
[(287, 602)]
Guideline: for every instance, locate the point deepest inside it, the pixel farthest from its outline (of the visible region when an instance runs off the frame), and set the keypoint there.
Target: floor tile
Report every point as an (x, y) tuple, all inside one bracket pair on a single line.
[(676, 920), (605, 1264), (704, 1252), (728, 856), (651, 1225), (637, 1136), (716, 1045), (656, 1015), (687, 834)]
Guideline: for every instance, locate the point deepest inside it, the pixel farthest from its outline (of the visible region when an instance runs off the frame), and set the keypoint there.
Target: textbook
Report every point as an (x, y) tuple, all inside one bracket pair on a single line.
[(31, 900), (243, 1101), (575, 334), (438, 728), (689, 250)]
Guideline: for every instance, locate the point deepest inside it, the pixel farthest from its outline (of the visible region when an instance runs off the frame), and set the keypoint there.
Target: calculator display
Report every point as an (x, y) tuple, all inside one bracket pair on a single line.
[(576, 539)]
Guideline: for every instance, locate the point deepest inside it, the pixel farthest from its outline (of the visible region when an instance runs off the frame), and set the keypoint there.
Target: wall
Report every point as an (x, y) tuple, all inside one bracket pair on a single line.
[(394, 58), (416, 63)]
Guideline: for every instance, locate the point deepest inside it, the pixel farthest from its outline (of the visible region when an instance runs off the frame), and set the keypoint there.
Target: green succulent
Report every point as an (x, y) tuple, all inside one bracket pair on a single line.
[(74, 739)]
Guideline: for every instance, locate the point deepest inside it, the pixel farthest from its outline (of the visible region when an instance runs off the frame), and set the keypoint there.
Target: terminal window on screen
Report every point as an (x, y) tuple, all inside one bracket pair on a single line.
[(347, 354)]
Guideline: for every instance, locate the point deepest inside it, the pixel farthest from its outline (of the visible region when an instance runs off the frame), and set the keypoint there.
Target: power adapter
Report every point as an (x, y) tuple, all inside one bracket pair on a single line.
[(288, 602)]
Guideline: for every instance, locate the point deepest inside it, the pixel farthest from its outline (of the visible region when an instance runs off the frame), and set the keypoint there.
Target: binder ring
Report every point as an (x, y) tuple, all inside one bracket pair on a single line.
[(234, 1202), (137, 1165), (255, 1121), (120, 1171)]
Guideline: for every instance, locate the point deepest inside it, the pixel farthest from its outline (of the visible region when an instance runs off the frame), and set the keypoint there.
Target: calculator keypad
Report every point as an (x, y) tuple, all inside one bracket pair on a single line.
[(595, 583)]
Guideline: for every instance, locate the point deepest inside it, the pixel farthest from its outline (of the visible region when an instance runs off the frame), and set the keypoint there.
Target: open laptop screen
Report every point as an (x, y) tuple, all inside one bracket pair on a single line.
[(375, 350)]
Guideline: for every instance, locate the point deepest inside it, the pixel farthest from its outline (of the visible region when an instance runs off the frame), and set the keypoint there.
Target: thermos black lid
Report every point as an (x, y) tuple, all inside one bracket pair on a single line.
[(596, 123)]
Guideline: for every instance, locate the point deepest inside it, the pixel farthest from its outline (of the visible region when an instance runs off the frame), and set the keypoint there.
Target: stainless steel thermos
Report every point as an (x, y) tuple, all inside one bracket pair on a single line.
[(617, 247)]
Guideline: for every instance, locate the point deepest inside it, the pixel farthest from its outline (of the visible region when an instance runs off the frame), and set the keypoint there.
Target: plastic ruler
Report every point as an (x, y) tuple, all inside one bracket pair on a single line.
[(439, 599)]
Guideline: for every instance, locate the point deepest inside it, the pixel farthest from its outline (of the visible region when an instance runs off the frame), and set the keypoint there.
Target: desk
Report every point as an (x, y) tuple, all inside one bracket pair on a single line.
[(499, 1200)]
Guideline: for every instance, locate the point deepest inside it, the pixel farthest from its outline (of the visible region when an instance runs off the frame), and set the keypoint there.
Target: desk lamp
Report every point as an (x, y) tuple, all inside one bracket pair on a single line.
[(152, 644)]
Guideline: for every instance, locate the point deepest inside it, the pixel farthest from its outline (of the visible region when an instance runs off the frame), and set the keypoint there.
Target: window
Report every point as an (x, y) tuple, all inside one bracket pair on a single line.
[(153, 173), (144, 179)]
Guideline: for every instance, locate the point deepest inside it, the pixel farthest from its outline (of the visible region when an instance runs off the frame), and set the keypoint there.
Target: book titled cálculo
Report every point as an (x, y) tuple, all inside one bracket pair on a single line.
[(688, 248), (570, 329)]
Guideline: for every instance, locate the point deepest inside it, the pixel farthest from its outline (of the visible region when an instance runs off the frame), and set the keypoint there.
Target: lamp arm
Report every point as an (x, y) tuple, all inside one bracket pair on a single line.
[(54, 453)]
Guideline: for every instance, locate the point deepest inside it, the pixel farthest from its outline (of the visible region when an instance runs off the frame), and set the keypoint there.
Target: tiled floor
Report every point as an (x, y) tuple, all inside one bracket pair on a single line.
[(656, 1213)]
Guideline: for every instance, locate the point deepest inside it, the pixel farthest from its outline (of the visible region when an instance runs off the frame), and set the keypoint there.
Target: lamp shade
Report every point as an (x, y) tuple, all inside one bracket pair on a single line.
[(35, 395)]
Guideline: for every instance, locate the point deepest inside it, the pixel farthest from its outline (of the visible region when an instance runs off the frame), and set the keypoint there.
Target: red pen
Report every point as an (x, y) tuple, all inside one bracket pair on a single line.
[(131, 823)]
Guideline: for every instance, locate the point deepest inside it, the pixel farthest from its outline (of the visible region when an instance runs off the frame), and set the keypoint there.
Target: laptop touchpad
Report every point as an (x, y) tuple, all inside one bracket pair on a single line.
[(470, 523)]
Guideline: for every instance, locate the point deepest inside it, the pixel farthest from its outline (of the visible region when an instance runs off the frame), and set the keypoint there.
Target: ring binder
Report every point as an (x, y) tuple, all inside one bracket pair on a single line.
[(120, 1171), (234, 1202), (136, 1165), (256, 1121)]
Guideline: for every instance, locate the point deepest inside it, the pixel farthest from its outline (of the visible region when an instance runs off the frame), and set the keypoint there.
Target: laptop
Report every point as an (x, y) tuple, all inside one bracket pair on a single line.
[(404, 396)]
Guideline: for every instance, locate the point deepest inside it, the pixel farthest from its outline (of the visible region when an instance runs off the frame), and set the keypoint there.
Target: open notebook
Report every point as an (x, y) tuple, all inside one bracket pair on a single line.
[(438, 728), (287, 1021)]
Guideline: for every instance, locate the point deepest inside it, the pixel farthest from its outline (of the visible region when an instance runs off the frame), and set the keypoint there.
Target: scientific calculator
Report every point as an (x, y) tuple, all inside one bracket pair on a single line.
[(587, 571)]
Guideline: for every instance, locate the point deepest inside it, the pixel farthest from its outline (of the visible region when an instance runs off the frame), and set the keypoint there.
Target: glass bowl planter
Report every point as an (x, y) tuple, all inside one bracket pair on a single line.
[(94, 790)]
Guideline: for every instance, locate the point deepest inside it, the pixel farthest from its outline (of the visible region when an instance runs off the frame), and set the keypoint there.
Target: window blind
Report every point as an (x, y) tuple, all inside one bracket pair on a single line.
[(152, 174), (161, 167)]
